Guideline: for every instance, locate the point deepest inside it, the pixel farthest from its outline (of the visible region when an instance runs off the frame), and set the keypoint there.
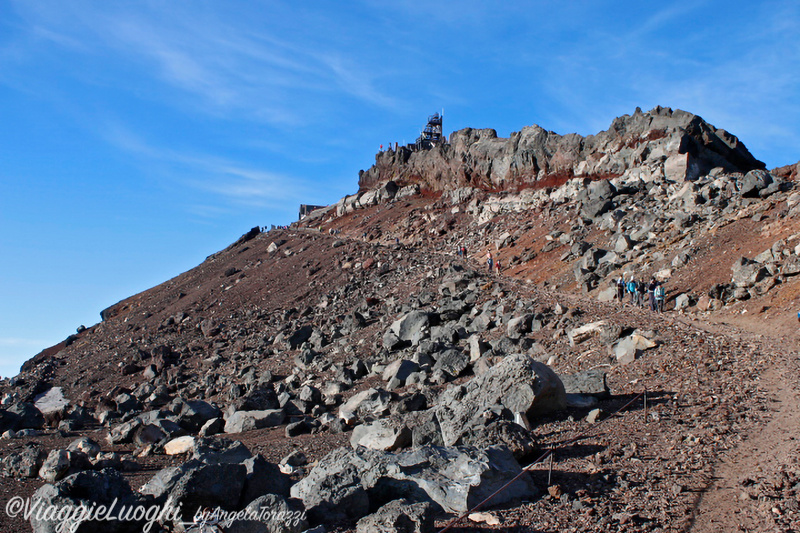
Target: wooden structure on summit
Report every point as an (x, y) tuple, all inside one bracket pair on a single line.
[(306, 210), (432, 134)]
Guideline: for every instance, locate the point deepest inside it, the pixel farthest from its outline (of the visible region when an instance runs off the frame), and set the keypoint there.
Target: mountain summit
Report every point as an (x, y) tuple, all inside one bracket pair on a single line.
[(676, 144)]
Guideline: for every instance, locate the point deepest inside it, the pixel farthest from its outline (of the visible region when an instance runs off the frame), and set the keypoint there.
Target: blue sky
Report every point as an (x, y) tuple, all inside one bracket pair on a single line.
[(137, 137)]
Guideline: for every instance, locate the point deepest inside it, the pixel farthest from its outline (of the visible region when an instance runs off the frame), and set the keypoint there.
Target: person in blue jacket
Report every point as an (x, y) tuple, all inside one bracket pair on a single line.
[(632, 290)]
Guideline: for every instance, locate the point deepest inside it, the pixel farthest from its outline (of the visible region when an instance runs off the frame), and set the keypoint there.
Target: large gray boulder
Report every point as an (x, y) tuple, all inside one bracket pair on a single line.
[(629, 348), (381, 435), (259, 397), (482, 322), (157, 431), (593, 208), (195, 413), (400, 370), (601, 189), (792, 266), (51, 402), (348, 482), (300, 336), (387, 191), (248, 420), (334, 490), (162, 425), (523, 387), (623, 243), (194, 485), (589, 382), (605, 330), (445, 334), (747, 273), (23, 464), (497, 432), (452, 361), (25, 415), (84, 445), (368, 404), (518, 326), (55, 466), (413, 327), (399, 516), (218, 450), (88, 489), (263, 478), (425, 430), (596, 198), (391, 341), (753, 182)]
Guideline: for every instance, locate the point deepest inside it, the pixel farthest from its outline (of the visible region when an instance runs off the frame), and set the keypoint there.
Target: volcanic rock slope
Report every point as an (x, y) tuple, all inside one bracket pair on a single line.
[(365, 355)]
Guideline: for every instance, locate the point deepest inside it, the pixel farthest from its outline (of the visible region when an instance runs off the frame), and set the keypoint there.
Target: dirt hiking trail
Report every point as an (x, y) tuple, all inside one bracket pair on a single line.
[(747, 490)]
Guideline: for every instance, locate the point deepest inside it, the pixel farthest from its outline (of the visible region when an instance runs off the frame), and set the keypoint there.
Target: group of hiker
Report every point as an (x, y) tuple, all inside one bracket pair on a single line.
[(491, 262), (641, 293)]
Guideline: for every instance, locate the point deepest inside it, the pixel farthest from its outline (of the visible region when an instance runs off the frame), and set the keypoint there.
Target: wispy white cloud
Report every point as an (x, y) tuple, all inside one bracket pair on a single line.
[(248, 187), (256, 68), (204, 211), (227, 179), (662, 17), (57, 37), (358, 82), (18, 342)]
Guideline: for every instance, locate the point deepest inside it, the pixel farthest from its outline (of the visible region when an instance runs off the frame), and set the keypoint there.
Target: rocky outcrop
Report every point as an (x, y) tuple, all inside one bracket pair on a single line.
[(88, 489), (675, 144), (520, 386), (399, 516), (348, 483)]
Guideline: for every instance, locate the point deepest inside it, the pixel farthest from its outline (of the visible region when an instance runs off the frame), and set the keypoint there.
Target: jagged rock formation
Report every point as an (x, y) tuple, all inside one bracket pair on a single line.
[(674, 144)]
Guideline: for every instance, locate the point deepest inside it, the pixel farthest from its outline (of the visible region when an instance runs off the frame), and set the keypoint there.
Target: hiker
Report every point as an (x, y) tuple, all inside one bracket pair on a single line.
[(497, 267), (621, 289), (651, 293), (464, 251), (641, 288), (632, 290), (659, 293), (489, 261)]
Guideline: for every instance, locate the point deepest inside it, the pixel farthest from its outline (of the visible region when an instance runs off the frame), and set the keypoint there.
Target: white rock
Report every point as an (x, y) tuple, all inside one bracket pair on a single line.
[(585, 332), (52, 401), (486, 518), (380, 435), (179, 445)]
